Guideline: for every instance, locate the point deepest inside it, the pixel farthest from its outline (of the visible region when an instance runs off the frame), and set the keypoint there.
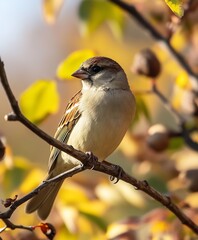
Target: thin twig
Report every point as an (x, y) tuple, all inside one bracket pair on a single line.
[(155, 90), (179, 118), (13, 226), (193, 77), (185, 133), (109, 168), (131, 10), (18, 116), (7, 214)]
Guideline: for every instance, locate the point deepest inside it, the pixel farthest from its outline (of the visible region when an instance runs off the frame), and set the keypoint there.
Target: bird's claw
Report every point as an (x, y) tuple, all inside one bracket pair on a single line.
[(119, 171), (92, 160)]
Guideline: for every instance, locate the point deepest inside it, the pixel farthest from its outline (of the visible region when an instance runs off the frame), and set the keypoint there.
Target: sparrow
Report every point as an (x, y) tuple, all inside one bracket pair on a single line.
[(95, 120)]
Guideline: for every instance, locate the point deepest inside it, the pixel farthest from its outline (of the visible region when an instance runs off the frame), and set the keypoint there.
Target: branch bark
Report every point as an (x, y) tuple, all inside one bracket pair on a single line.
[(146, 25), (104, 167)]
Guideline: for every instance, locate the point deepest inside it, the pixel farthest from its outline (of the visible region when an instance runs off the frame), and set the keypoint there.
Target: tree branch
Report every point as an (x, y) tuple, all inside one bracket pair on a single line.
[(184, 132), (18, 116), (7, 214), (131, 10), (13, 226), (88, 162)]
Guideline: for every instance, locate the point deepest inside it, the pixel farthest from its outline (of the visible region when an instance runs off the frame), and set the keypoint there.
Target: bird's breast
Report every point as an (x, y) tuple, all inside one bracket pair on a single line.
[(104, 121)]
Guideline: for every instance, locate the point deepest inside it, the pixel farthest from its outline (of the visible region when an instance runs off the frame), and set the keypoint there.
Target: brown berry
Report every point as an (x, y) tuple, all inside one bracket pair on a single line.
[(146, 63), (158, 137), (190, 179)]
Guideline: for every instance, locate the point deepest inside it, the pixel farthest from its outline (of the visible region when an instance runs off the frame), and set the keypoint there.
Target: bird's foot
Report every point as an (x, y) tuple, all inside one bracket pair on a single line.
[(92, 160), (117, 169), (119, 172)]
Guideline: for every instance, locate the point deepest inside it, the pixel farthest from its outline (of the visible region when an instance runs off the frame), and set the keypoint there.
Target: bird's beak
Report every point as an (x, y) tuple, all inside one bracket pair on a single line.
[(81, 73)]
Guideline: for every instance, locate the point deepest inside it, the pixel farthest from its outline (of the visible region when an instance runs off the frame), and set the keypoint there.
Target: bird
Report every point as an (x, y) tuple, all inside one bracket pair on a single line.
[(95, 120)]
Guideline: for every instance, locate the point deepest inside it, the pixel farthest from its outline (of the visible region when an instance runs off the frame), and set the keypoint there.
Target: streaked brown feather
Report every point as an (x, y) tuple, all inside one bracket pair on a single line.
[(68, 121)]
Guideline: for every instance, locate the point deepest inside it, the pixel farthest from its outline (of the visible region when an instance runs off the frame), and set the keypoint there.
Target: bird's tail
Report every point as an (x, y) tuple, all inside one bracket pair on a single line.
[(43, 201)]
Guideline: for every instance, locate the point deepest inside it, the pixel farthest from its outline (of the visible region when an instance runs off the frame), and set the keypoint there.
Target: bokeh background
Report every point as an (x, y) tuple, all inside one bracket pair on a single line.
[(33, 43)]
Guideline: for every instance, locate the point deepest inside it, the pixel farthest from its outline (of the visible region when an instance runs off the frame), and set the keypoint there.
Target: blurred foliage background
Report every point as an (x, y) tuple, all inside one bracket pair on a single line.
[(42, 42)]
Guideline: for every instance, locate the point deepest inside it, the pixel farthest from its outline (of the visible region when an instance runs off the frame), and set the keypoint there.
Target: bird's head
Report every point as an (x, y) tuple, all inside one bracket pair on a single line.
[(101, 72)]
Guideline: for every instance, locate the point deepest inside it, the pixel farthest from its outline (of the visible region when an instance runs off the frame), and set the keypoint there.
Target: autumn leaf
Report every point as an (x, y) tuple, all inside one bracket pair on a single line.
[(176, 6), (73, 62), (14, 177), (97, 220), (39, 100), (182, 81), (95, 13)]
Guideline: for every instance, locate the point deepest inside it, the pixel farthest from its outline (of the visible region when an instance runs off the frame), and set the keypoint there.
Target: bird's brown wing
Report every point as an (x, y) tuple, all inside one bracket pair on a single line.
[(68, 121)]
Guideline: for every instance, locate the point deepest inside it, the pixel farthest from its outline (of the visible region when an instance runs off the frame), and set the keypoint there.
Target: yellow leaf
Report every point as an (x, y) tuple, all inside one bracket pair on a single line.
[(179, 40), (182, 80), (72, 194), (182, 97), (32, 180), (159, 227), (14, 176), (73, 62), (95, 207), (191, 199), (51, 9), (176, 7), (39, 100), (94, 13)]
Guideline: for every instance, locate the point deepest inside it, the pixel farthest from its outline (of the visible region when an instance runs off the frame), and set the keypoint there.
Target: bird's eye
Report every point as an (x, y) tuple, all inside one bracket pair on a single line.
[(96, 69)]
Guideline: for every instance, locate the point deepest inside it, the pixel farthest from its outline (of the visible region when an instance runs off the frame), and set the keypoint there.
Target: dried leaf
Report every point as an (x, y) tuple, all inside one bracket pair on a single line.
[(9, 201)]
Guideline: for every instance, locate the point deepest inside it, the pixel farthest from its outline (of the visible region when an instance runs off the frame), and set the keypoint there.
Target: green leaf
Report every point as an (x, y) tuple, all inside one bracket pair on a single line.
[(95, 219), (95, 13), (176, 6), (14, 176), (73, 62), (39, 100), (141, 110), (176, 143)]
